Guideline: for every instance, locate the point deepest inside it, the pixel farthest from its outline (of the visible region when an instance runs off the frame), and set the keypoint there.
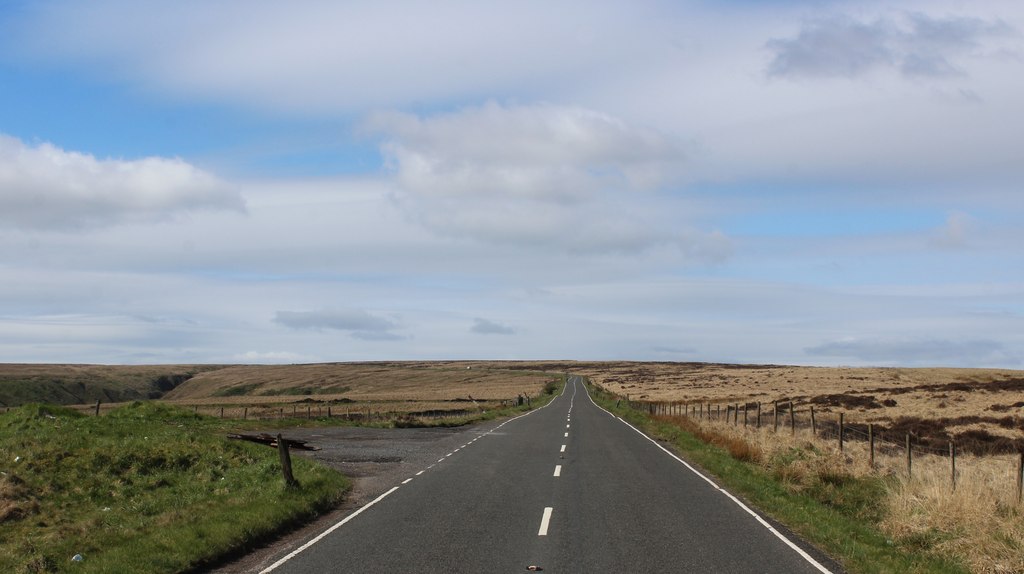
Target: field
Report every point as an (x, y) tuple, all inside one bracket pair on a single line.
[(982, 408), (399, 381)]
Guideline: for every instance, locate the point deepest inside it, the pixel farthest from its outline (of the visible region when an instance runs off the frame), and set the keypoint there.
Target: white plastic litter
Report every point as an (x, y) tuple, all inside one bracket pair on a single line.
[(77, 558)]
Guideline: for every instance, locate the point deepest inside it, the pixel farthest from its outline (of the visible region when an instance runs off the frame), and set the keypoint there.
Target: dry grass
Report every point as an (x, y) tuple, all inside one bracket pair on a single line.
[(955, 400), (980, 521), (398, 381)]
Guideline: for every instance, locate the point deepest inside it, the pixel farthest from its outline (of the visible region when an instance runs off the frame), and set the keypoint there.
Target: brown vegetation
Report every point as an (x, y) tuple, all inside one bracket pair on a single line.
[(935, 405)]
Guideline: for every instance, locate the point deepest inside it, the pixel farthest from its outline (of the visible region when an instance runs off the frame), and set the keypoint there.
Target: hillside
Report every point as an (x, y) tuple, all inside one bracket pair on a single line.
[(378, 381), (77, 384)]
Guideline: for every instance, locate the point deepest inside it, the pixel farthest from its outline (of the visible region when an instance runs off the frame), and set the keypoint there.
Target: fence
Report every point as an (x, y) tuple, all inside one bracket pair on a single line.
[(354, 411), (882, 448)]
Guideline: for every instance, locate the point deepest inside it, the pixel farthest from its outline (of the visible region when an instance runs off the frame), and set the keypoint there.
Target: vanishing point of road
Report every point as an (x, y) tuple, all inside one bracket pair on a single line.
[(567, 488)]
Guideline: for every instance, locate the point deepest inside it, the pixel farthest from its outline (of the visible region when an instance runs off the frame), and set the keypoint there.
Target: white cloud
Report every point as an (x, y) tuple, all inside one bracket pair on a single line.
[(45, 187), (957, 233), (488, 327), (542, 175), (542, 151), (270, 357), (914, 45), (917, 351), (326, 56), (361, 324)]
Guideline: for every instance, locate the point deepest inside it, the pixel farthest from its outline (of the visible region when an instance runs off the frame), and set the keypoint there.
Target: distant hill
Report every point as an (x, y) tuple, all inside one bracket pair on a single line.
[(374, 381), (77, 384)]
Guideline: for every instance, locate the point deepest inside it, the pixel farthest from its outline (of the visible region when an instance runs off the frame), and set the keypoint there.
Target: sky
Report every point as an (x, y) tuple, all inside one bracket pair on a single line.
[(787, 182)]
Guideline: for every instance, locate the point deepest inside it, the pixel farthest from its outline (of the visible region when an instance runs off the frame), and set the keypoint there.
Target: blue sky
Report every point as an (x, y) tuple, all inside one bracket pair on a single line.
[(830, 183)]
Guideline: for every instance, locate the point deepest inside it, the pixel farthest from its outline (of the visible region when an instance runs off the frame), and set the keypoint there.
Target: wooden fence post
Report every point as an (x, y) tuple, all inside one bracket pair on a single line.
[(952, 464), (909, 458), (97, 407), (792, 419), (245, 413), (286, 462), (718, 412), (745, 415), (814, 423), (758, 414), (1020, 476), (840, 432), (775, 409), (871, 446), (222, 412)]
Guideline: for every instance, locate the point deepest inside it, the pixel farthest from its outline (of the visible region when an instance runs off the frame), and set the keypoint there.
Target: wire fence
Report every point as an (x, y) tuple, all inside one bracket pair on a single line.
[(896, 450), (347, 411)]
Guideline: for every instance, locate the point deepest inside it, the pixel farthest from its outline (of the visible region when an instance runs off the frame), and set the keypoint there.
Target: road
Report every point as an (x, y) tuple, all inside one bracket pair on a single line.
[(567, 488)]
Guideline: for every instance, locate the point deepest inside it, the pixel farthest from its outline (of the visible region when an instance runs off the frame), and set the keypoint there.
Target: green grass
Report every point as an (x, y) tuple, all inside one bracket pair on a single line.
[(145, 488), (80, 384), (840, 515)]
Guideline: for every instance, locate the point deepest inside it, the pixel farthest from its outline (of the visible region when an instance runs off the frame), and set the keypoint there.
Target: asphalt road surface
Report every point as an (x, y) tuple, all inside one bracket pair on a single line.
[(566, 488)]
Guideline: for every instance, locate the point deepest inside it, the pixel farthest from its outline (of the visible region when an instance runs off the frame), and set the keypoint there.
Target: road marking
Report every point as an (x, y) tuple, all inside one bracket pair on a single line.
[(296, 552), (439, 460), (558, 470), (563, 448), (566, 435), (420, 472), (746, 508), (545, 521), (407, 481), (566, 426)]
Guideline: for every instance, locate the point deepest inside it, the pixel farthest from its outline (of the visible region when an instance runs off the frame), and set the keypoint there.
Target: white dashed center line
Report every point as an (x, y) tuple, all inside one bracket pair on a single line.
[(566, 435), (420, 472), (407, 481), (563, 448), (545, 521), (558, 470)]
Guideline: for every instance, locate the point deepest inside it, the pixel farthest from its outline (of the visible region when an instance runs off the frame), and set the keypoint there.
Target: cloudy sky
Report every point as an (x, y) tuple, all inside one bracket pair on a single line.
[(832, 183)]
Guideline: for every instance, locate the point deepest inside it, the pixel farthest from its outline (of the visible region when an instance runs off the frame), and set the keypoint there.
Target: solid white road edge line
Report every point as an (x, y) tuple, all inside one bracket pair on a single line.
[(296, 552), (746, 508), (545, 521)]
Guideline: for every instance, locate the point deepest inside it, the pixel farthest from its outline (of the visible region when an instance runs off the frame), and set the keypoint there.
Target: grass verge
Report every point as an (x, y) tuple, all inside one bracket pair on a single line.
[(145, 488), (839, 514)]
